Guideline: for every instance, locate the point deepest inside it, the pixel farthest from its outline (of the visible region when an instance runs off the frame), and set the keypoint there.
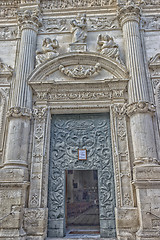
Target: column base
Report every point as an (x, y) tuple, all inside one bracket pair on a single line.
[(12, 234)]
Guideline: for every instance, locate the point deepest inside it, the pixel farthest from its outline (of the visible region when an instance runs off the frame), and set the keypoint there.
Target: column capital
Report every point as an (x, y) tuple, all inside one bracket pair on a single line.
[(29, 19), (18, 112), (129, 12), (140, 107)]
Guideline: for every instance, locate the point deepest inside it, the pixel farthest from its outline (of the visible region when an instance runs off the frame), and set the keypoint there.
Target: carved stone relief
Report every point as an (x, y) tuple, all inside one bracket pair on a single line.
[(68, 134), (121, 156), (80, 71), (149, 2), (40, 115), (108, 47), (93, 24), (49, 51), (8, 33), (75, 3), (151, 23), (8, 12)]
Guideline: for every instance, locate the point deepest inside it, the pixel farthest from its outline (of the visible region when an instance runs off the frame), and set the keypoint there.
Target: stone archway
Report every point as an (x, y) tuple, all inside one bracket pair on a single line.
[(54, 93)]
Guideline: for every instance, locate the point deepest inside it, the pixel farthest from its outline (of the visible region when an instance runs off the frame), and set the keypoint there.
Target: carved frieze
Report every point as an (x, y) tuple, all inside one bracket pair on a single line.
[(93, 24), (151, 23), (80, 71), (49, 51), (8, 12), (75, 4), (8, 33), (149, 2)]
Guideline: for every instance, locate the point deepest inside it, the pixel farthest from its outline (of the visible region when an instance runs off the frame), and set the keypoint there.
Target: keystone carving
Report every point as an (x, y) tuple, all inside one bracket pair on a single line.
[(80, 71), (108, 47), (48, 51)]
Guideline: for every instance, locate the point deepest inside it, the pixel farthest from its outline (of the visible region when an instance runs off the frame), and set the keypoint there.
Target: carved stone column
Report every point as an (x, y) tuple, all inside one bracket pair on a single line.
[(21, 100), (140, 111)]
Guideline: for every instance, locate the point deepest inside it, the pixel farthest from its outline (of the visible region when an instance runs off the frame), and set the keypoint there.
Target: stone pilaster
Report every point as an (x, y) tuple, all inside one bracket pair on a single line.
[(140, 110)]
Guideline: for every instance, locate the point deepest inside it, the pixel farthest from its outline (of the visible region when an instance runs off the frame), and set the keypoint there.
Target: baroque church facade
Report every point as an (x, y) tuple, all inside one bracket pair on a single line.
[(79, 91)]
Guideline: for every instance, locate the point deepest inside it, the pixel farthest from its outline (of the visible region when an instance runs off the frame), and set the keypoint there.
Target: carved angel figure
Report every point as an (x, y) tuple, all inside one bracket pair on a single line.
[(107, 46), (79, 30), (48, 50)]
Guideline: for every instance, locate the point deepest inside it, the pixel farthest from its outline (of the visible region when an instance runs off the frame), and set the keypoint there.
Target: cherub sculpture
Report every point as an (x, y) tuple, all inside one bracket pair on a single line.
[(108, 47), (79, 30), (48, 50)]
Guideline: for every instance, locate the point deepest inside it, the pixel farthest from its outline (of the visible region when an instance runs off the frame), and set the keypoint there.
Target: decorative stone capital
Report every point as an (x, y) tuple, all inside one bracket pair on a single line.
[(18, 112), (119, 109), (140, 107), (129, 12), (39, 113), (29, 20)]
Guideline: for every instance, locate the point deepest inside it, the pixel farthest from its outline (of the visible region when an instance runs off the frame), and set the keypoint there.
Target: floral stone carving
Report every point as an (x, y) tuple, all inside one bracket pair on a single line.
[(108, 47), (80, 71), (48, 51)]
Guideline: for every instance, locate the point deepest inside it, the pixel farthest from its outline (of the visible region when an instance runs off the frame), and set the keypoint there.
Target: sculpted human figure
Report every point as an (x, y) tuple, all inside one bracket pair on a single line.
[(107, 46), (48, 50), (79, 30)]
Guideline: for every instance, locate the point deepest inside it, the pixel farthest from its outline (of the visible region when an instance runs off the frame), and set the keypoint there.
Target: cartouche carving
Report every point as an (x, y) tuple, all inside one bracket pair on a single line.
[(49, 51), (80, 71), (19, 112), (108, 47), (140, 107)]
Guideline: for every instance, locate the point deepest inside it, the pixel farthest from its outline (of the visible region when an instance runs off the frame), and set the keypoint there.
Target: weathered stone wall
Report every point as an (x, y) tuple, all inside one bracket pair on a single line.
[(106, 58)]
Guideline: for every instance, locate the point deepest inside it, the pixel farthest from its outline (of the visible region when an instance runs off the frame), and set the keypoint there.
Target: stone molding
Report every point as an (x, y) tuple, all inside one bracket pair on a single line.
[(140, 107), (5, 70), (111, 65), (17, 112), (129, 12), (29, 20)]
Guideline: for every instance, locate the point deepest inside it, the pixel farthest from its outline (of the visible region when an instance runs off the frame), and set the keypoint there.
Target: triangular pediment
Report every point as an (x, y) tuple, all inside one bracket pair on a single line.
[(155, 61)]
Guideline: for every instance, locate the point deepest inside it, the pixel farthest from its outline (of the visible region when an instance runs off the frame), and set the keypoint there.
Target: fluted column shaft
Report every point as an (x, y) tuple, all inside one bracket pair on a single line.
[(140, 109), (21, 101), (22, 94), (134, 59)]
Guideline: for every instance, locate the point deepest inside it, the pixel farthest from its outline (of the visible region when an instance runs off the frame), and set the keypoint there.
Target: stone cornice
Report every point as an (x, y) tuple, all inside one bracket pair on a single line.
[(140, 107), (29, 19), (17, 112), (129, 12)]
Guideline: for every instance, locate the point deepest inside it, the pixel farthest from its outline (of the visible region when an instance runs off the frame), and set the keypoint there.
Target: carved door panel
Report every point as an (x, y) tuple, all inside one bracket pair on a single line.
[(68, 134)]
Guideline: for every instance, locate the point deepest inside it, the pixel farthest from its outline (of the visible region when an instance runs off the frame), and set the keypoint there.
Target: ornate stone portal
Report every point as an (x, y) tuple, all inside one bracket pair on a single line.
[(96, 63)]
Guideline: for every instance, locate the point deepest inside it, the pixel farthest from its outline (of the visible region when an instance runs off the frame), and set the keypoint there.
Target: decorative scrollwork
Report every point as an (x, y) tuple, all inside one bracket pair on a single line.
[(80, 71)]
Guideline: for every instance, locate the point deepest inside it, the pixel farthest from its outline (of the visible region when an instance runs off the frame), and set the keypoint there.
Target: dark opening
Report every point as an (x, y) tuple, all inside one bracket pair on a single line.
[(82, 205)]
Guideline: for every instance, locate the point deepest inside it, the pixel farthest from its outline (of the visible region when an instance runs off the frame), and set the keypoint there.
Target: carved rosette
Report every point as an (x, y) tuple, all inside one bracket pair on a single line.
[(129, 12), (140, 107), (17, 112), (29, 20)]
